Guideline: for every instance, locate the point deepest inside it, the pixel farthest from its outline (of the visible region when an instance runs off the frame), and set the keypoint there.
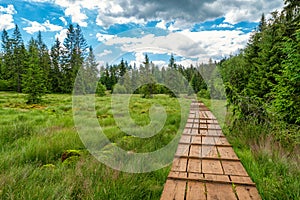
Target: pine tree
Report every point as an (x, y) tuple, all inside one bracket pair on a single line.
[(91, 72), (74, 55), (19, 55), (33, 79), (7, 60), (45, 61), (55, 68)]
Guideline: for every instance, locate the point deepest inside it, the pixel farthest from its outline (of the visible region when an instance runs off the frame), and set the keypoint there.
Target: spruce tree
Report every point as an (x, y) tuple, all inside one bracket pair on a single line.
[(55, 68), (33, 79), (19, 56)]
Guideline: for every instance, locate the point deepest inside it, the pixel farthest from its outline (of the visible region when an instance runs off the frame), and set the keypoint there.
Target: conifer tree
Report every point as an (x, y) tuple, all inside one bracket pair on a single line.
[(33, 79), (19, 56), (55, 68)]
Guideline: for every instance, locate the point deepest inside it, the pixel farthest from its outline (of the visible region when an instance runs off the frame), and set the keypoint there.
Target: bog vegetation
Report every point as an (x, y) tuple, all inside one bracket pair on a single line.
[(43, 157)]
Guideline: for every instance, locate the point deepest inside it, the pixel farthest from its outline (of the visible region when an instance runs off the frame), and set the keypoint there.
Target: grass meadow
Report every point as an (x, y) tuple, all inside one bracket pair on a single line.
[(33, 139)]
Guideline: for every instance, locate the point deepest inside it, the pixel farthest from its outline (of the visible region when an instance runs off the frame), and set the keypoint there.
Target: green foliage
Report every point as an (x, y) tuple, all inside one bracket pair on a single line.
[(33, 79), (119, 89), (35, 137), (100, 91)]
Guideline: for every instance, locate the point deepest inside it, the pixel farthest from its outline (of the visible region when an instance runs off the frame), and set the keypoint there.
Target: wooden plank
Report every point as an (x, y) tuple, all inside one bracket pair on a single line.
[(182, 150), (195, 151), (203, 126), (186, 131), (211, 167), (194, 165), (174, 190), (214, 132), (209, 151), (220, 192), (208, 140), (177, 175), (194, 132), (185, 139), (195, 191), (179, 164), (247, 193), (227, 153), (214, 126), (189, 125), (221, 141), (241, 179), (195, 176), (203, 132), (234, 168), (217, 177), (197, 139)]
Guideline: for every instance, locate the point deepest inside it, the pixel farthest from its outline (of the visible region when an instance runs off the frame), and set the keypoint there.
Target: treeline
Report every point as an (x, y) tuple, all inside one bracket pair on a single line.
[(148, 78), (263, 81), (36, 70)]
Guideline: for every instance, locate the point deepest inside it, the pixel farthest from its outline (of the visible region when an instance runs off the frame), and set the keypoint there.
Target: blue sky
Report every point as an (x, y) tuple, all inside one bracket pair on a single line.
[(193, 30)]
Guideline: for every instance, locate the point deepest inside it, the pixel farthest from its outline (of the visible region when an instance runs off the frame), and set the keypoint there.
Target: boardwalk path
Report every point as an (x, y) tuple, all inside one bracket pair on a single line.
[(205, 165)]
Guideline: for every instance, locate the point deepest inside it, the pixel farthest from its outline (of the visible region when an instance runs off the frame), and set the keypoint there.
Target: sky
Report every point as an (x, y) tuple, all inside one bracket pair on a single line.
[(192, 30)]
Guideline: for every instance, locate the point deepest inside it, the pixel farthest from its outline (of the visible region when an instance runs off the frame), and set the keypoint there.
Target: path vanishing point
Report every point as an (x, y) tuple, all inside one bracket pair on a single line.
[(205, 166)]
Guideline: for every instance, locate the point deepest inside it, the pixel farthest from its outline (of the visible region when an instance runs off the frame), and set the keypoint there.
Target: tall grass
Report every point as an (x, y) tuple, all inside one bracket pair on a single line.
[(34, 137), (272, 166)]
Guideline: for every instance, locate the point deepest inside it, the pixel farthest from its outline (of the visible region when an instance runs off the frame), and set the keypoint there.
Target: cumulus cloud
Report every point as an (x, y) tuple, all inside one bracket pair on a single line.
[(63, 21), (44, 27), (76, 15), (103, 37), (62, 35), (184, 13), (104, 53), (189, 45), (6, 17)]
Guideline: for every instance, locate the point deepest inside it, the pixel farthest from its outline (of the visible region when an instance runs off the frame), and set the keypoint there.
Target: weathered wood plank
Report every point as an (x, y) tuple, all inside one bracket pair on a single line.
[(195, 191), (220, 192), (182, 150), (179, 164), (247, 193), (194, 165), (227, 153), (211, 167), (174, 190), (234, 168), (195, 151)]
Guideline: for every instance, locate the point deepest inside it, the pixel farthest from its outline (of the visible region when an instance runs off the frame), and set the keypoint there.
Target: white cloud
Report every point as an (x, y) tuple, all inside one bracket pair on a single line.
[(35, 27), (64, 21), (162, 24), (62, 35), (9, 10), (223, 25), (104, 53), (184, 13), (6, 17), (76, 15), (103, 37), (190, 45), (52, 27), (45, 27)]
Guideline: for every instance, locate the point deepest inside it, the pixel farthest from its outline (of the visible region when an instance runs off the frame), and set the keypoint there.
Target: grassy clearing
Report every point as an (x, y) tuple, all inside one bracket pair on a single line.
[(267, 152), (33, 139)]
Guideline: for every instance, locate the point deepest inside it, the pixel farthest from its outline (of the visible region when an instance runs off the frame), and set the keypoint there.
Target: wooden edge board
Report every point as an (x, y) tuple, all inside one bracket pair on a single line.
[(203, 180)]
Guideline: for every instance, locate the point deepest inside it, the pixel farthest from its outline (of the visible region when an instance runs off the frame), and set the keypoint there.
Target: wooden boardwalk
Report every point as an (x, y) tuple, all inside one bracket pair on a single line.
[(205, 165)]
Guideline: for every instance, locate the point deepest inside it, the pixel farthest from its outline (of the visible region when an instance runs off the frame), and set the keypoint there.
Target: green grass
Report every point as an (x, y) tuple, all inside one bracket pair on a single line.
[(269, 153), (33, 139), (274, 168)]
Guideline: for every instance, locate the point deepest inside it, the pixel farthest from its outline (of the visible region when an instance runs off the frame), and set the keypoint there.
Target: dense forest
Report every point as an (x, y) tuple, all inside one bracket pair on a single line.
[(36, 70), (263, 81), (267, 72)]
